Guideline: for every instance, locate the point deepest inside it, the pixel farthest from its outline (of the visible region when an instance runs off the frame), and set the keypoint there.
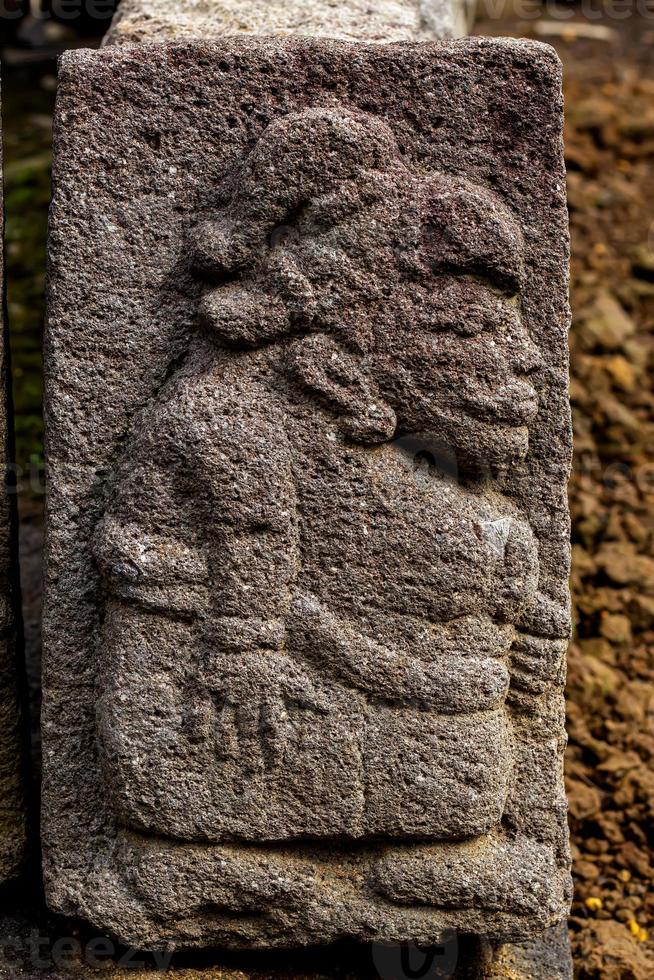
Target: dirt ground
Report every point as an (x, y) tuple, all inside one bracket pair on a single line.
[(610, 156)]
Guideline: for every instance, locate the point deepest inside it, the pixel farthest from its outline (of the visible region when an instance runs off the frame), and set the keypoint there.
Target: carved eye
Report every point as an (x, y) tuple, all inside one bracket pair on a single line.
[(122, 570), (284, 235)]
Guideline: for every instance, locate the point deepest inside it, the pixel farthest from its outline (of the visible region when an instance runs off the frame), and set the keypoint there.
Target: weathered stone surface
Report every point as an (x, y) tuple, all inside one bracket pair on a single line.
[(545, 958), (307, 552), (384, 20), (12, 748)]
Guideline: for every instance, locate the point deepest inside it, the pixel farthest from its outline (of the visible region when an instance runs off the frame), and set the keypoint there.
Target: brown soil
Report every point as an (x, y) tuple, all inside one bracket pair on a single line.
[(610, 156)]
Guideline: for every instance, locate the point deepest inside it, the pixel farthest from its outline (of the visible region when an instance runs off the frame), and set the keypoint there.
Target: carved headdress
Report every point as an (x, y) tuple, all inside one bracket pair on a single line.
[(332, 235), (318, 170)]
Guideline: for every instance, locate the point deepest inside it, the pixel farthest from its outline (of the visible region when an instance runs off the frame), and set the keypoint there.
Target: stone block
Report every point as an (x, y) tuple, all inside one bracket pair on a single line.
[(546, 958), (358, 20), (307, 552)]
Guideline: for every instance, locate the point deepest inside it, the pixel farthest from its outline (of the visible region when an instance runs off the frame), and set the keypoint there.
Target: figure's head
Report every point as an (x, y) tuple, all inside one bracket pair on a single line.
[(402, 288)]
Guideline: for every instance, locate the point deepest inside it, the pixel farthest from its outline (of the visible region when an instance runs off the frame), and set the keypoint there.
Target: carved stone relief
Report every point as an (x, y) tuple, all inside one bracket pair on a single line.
[(321, 681)]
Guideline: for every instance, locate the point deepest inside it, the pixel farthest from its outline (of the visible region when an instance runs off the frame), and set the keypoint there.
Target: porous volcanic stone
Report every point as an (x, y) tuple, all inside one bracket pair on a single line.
[(13, 751), (545, 958), (361, 20), (307, 550)]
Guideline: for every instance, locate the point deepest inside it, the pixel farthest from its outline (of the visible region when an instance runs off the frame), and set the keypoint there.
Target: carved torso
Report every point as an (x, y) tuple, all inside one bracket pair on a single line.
[(354, 602), (321, 600)]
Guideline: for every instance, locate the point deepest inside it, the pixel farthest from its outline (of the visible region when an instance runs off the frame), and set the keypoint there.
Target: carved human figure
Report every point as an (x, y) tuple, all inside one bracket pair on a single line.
[(317, 596)]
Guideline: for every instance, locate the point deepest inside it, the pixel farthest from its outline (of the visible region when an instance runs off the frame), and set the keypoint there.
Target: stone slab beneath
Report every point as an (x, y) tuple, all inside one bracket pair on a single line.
[(34, 947)]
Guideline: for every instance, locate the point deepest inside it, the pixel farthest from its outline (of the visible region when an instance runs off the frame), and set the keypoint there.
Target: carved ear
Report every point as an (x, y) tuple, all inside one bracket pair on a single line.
[(468, 229), (338, 379)]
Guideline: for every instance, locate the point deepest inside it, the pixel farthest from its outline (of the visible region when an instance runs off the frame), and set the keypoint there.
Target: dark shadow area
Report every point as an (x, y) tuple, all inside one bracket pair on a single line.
[(38, 945), (37, 23)]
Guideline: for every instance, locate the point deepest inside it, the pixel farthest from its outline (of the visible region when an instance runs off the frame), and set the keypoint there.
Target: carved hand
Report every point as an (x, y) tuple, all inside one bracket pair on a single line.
[(254, 694), (538, 654)]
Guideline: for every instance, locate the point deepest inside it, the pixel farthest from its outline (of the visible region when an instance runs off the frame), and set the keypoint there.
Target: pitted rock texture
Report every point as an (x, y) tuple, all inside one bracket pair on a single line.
[(545, 958), (13, 833), (358, 20), (13, 734), (307, 603)]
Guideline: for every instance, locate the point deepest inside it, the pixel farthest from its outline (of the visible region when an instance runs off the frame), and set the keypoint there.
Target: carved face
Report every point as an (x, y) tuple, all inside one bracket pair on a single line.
[(413, 283), (448, 353)]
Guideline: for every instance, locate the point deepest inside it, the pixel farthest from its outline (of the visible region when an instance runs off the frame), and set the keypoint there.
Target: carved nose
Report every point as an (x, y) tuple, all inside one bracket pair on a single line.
[(526, 356)]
